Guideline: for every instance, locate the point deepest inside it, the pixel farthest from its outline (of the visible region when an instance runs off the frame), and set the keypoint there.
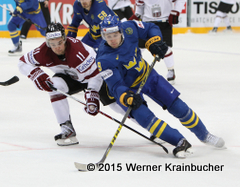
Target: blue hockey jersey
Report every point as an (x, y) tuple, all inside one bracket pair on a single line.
[(123, 68), (99, 10), (29, 6)]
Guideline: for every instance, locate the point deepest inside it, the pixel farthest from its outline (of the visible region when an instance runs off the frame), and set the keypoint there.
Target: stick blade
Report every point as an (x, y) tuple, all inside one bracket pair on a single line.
[(10, 81), (86, 167), (13, 80)]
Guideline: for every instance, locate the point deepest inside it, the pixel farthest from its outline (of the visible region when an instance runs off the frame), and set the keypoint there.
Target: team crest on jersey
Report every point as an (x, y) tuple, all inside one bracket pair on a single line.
[(95, 28), (92, 17), (129, 31), (140, 24)]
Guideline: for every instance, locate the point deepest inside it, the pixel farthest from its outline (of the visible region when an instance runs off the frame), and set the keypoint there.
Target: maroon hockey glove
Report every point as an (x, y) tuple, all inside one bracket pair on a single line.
[(173, 17), (134, 17), (92, 102), (129, 98), (40, 79)]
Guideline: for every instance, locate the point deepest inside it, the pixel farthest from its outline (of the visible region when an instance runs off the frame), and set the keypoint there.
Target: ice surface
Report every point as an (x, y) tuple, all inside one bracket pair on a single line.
[(207, 70)]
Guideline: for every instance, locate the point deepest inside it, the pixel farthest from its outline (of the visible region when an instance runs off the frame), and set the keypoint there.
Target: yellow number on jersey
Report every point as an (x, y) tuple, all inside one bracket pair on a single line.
[(99, 66), (102, 15)]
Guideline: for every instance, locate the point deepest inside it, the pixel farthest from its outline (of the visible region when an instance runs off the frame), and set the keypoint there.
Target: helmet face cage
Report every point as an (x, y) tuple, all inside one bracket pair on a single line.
[(55, 30), (110, 24)]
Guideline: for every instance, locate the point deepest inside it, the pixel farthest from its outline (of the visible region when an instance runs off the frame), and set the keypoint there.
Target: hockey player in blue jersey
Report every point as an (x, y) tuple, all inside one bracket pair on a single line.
[(29, 9), (92, 12), (123, 68)]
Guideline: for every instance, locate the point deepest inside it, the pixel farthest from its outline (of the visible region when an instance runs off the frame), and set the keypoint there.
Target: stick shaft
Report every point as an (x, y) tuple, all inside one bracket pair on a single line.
[(110, 117), (127, 112)]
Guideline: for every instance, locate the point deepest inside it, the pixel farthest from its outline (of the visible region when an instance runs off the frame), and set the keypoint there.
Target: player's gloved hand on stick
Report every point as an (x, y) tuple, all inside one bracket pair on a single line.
[(156, 46), (173, 17), (135, 17), (40, 79), (92, 102), (129, 98), (17, 11)]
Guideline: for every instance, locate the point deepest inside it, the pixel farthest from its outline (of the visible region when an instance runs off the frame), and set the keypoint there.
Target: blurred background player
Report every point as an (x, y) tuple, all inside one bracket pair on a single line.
[(29, 9), (122, 67), (26, 26), (223, 9), (73, 63), (92, 12), (164, 14), (122, 8)]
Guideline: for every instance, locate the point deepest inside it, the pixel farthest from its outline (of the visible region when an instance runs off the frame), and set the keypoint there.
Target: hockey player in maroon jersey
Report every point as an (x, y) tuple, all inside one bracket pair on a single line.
[(164, 14), (73, 63)]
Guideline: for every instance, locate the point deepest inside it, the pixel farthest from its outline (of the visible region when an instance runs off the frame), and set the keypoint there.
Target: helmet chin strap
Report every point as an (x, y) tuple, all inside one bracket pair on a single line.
[(122, 39)]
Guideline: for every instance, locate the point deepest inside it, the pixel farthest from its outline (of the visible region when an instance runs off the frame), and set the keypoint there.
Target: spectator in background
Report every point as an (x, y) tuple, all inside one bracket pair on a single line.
[(223, 9), (26, 26), (122, 8), (92, 12)]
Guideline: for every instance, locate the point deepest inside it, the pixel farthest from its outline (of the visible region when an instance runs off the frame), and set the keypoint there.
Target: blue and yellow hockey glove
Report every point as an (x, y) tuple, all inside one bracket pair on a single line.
[(129, 98), (156, 46), (17, 11)]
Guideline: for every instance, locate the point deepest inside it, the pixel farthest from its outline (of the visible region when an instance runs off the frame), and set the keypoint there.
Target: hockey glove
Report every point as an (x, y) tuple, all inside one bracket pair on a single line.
[(173, 17), (92, 102), (130, 99), (156, 46), (72, 31), (135, 17), (17, 11), (40, 79)]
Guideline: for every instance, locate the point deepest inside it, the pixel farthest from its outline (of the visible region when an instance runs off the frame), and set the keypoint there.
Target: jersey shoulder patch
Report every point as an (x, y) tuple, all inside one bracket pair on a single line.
[(139, 24)]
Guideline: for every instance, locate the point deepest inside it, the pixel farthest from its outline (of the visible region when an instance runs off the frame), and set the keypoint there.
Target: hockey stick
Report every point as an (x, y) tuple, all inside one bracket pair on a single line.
[(28, 20), (91, 166), (108, 116), (115, 4), (10, 81)]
